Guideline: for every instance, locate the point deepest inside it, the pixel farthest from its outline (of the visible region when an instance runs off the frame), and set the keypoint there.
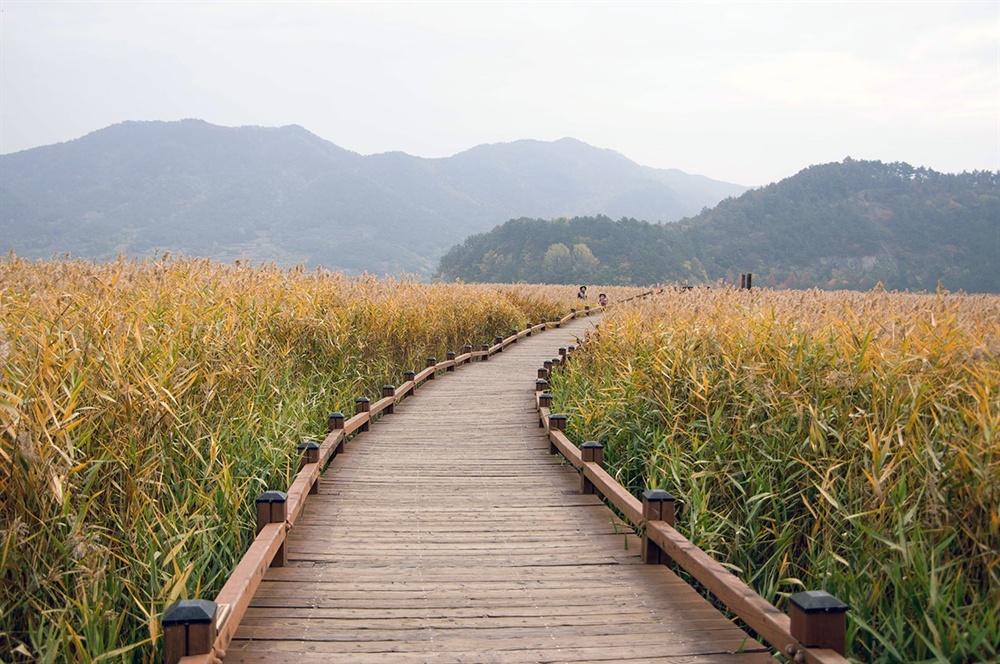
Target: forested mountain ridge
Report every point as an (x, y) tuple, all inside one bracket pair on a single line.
[(851, 224), (287, 196)]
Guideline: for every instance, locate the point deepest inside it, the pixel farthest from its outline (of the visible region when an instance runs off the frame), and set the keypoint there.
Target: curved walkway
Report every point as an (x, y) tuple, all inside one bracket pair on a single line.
[(448, 533)]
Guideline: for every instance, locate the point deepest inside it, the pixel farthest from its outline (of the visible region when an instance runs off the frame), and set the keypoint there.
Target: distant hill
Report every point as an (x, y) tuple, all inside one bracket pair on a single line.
[(842, 225), (287, 196)]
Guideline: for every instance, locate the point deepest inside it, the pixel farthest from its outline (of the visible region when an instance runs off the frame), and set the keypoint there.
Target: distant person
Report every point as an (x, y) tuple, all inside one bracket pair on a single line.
[(602, 299), (582, 295)]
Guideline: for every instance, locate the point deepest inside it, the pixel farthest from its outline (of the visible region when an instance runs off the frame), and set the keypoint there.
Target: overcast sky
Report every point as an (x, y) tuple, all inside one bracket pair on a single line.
[(744, 92)]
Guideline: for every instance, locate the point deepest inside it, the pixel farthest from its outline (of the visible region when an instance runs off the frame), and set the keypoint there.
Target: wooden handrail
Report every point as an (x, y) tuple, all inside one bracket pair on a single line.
[(760, 615), (235, 596)]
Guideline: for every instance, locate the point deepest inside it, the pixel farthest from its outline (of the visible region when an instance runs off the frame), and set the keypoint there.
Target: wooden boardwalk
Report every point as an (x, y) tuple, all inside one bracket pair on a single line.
[(448, 533)]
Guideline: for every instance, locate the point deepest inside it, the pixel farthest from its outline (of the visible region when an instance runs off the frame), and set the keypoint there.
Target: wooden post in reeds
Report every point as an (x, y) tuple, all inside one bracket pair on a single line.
[(819, 620), (271, 509), (431, 361), (450, 356), (467, 349), (363, 405), (563, 353), (544, 401), (486, 353), (528, 328), (513, 333), (543, 373), (498, 341), (541, 385), (409, 377), (389, 391), (657, 505), (591, 452), (188, 629), (557, 423), (334, 422), (310, 454)]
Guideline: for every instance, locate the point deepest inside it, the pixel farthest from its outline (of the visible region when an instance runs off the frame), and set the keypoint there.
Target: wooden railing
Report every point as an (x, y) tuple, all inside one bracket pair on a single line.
[(197, 631), (814, 633)]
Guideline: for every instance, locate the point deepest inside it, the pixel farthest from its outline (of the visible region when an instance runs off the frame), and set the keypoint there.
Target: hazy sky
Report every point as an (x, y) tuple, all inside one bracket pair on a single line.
[(744, 92)]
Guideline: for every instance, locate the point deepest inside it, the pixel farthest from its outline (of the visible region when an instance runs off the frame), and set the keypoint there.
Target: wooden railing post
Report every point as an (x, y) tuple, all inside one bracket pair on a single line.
[(657, 505), (498, 341), (528, 327), (543, 373), (334, 421), (556, 361), (467, 349), (819, 620), (562, 353), (310, 454), (513, 333), (389, 391), (450, 356), (558, 423), (363, 405), (548, 367), (486, 350), (271, 509), (188, 629), (409, 377), (544, 401), (541, 385), (430, 362), (591, 452)]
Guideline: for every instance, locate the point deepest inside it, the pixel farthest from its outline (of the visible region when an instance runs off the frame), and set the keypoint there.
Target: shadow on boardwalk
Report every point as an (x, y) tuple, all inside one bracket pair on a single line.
[(448, 533)]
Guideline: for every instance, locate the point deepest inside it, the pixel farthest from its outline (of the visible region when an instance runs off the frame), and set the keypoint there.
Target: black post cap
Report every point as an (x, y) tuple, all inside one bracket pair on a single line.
[(189, 612), (308, 445), (657, 495), (272, 497), (592, 445), (818, 601)]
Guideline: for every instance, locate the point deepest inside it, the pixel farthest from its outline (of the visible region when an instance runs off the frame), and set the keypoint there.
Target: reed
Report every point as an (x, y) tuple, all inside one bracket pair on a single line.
[(144, 405), (840, 441)]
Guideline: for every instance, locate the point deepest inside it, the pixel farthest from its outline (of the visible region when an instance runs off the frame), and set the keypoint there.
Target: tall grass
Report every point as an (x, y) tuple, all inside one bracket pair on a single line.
[(144, 405), (839, 441)]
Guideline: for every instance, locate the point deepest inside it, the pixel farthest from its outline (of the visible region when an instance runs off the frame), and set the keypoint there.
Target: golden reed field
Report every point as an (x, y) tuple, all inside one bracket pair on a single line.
[(842, 441), (145, 405), (818, 440)]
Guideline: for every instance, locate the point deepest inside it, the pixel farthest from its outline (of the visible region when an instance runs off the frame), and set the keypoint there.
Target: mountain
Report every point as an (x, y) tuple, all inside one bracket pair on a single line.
[(841, 225), (287, 196)]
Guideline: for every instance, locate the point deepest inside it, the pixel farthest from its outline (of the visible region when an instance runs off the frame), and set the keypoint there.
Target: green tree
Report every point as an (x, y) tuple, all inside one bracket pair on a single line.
[(557, 264)]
